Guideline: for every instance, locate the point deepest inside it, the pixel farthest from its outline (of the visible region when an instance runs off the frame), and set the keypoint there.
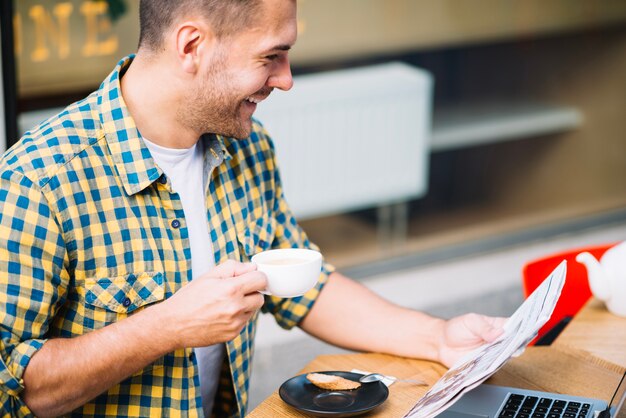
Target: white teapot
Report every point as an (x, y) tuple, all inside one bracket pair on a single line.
[(607, 277)]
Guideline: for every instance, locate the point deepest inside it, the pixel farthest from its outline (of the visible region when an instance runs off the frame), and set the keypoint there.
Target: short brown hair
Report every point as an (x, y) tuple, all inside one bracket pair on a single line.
[(225, 16)]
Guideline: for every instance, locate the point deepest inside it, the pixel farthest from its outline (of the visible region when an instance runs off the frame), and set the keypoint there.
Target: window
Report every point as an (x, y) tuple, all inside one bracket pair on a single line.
[(65, 48)]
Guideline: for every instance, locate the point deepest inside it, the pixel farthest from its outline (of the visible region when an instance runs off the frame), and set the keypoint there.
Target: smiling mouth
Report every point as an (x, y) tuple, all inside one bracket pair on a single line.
[(255, 100), (259, 96)]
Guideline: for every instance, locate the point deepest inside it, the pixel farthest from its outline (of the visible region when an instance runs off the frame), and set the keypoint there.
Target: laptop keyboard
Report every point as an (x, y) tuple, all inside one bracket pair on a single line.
[(520, 406)]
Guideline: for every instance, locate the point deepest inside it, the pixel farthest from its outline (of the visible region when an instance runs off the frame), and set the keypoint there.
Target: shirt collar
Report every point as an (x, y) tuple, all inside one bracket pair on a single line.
[(133, 161), (215, 148)]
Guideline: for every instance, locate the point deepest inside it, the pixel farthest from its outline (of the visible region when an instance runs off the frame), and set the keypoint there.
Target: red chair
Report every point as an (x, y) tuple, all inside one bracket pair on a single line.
[(575, 292)]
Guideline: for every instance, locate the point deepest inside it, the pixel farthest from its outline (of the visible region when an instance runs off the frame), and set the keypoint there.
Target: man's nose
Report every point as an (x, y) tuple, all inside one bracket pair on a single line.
[(281, 78)]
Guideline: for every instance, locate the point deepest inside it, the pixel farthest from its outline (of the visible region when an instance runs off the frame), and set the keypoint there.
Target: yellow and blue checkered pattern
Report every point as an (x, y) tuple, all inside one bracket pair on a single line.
[(91, 232)]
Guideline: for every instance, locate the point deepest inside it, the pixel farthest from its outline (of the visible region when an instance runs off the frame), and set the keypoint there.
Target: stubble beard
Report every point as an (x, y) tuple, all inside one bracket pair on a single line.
[(210, 109)]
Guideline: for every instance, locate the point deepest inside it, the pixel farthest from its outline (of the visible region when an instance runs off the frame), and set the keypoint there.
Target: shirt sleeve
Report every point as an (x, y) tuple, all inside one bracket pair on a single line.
[(33, 279), (289, 312)]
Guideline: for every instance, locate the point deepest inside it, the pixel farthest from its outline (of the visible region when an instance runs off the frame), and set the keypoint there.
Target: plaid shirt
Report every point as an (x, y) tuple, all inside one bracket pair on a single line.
[(91, 232)]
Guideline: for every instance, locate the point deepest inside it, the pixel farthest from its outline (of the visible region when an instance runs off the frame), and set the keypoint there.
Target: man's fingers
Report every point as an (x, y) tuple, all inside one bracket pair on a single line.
[(253, 302), (497, 321), (250, 282), (491, 328), (232, 268), (492, 334)]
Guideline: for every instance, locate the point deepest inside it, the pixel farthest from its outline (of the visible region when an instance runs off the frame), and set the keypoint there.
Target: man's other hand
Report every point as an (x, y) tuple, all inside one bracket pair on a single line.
[(465, 333)]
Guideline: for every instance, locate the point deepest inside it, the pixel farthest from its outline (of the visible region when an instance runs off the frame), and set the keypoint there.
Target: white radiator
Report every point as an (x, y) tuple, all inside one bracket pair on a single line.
[(352, 139), (346, 140)]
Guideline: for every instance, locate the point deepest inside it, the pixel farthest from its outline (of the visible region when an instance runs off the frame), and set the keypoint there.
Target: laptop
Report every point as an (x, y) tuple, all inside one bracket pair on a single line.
[(491, 401)]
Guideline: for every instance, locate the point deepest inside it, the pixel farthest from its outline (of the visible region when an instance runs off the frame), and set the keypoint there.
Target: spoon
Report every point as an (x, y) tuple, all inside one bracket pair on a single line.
[(377, 377)]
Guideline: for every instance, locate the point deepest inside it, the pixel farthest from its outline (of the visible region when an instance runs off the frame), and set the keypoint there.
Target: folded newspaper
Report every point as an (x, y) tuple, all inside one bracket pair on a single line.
[(473, 369)]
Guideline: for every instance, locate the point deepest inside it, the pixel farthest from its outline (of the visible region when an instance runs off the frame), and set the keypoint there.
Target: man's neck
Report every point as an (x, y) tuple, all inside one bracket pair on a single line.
[(152, 96)]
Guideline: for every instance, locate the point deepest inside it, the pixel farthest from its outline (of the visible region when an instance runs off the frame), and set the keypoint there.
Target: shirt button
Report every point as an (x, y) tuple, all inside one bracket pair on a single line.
[(175, 224), (192, 356), (163, 179), (126, 302)]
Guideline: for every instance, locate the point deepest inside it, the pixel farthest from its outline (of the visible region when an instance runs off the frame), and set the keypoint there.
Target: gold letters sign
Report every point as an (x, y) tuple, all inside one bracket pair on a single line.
[(69, 45)]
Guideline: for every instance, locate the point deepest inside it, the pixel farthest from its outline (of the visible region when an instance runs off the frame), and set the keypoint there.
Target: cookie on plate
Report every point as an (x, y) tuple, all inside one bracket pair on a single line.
[(332, 382)]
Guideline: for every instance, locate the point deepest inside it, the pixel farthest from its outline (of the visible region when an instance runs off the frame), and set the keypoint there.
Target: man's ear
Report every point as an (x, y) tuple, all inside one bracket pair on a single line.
[(193, 39)]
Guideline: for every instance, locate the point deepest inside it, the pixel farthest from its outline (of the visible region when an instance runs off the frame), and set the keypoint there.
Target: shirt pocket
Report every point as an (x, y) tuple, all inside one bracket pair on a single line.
[(111, 299), (255, 236), (122, 295)]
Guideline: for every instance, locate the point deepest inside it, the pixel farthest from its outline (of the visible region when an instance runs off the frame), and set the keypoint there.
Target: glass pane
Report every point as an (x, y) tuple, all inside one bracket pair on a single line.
[(65, 46)]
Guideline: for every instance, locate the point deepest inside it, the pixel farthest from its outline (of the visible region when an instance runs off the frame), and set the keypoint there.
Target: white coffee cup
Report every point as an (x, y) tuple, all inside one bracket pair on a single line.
[(290, 272)]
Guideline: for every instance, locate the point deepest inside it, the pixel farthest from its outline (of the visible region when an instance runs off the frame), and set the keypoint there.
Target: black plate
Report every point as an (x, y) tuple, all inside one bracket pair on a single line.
[(306, 397)]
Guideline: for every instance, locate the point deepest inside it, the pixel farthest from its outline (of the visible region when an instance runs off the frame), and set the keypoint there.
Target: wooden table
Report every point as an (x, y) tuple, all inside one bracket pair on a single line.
[(401, 398), (587, 359), (598, 332)]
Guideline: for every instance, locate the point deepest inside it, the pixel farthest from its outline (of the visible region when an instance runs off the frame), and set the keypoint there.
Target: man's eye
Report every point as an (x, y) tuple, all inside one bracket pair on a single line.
[(272, 57)]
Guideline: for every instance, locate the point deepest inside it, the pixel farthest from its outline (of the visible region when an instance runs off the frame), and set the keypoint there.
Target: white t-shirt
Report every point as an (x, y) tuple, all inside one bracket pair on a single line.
[(184, 168)]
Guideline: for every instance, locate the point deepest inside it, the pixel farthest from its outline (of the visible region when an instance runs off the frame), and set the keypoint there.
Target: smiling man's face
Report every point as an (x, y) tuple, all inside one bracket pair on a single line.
[(246, 68)]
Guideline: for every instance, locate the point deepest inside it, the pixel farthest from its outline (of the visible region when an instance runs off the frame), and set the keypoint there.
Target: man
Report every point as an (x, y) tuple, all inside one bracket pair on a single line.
[(110, 209)]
